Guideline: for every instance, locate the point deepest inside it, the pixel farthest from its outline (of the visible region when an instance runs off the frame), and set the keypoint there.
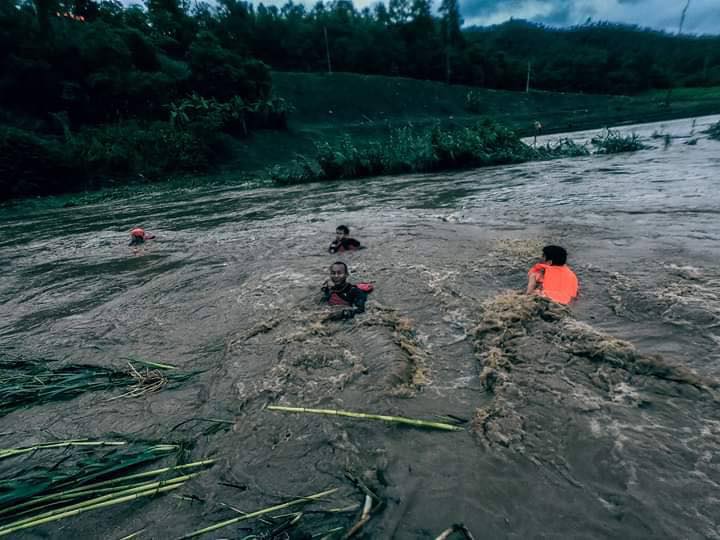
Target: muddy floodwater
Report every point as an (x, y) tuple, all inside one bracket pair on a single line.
[(598, 421)]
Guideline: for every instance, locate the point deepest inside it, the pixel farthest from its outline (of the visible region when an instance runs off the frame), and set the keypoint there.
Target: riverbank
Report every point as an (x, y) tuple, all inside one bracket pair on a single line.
[(368, 110)]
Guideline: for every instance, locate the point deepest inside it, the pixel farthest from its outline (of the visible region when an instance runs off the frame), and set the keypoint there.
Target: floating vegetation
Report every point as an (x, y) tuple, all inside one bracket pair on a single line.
[(260, 513), (564, 147), (25, 382), (88, 475), (363, 416), (614, 142)]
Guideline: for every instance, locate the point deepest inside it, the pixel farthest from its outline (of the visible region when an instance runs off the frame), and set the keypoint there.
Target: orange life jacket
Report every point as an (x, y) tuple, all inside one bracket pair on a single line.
[(558, 283)]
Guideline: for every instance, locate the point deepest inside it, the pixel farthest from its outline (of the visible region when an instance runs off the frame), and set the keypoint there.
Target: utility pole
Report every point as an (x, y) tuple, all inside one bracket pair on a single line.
[(527, 81), (447, 52), (682, 22), (327, 50)]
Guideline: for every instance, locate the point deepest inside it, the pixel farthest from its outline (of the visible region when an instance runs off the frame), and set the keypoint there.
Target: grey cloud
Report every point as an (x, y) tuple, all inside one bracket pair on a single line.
[(703, 15)]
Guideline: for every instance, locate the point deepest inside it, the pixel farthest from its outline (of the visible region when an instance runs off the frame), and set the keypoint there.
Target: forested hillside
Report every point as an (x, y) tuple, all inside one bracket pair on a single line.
[(94, 92)]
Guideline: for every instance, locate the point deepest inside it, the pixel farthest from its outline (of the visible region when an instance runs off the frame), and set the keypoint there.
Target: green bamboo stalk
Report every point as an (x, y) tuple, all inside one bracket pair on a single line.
[(43, 503), (327, 535), (259, 513), (121, 493), (98, 487), (146, 474), (364, 416), (149, 363), (11, 528), (10, 452), (133, 535)]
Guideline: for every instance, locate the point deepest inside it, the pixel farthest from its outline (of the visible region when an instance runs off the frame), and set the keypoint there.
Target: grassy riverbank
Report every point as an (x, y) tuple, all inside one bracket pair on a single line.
[(328, 108)]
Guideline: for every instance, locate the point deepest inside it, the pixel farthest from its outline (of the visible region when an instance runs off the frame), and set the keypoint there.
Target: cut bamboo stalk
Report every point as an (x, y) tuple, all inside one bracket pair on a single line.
[(328, 535), (457, 527), (384, 418), (149, 363), (259, 513), (146, 474), (120, 493), (10, 452), (133, 535), (364, 518), (12, 527)]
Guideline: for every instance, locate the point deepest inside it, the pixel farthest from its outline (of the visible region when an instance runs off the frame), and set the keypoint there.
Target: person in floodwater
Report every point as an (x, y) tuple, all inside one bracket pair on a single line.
[(552, 278), (343, 242), (138, 236), (338, 291)]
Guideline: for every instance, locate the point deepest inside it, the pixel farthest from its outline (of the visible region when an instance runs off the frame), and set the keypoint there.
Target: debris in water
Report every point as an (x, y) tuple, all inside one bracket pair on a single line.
[(258, 513), (26, 383), (384, 418), (83, 480)]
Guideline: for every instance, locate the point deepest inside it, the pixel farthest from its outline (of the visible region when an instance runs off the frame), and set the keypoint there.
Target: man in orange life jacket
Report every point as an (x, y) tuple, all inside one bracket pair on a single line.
[(343, 293), (553, 279)]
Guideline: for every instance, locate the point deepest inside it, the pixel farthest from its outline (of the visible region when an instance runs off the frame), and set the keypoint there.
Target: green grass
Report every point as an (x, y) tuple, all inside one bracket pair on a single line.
[(368, 108), (407, 150)]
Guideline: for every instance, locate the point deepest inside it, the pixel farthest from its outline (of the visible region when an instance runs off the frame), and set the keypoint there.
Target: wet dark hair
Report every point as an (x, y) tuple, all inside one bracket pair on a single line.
[(341, 264), (555, 254), (342, 229)]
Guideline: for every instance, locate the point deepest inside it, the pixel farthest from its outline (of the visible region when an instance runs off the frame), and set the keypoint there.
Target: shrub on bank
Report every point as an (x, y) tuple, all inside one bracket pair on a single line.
[(484, 144), (150, 149), (407, 151), (614, 142), (94, 157), (714, 131), (31, 164)]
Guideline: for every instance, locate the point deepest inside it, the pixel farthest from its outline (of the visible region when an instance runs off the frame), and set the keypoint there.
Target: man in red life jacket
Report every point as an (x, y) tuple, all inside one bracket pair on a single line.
[(343, 242), (340, 292), (138, 236), (553, 279)]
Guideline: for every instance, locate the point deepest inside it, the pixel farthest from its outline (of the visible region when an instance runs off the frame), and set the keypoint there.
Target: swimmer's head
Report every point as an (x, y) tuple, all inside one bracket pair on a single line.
[(341, 232), (137, 236), (555, 255), (338, 273)]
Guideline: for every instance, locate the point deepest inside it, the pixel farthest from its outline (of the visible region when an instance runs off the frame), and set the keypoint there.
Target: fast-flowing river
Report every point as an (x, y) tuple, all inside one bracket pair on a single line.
[(601, 421)]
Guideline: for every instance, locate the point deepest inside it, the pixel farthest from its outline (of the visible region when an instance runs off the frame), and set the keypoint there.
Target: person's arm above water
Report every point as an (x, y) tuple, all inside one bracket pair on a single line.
[(532, 283), (351, 243), (334, 246), (325, 293), (357, 303), (535, 277)]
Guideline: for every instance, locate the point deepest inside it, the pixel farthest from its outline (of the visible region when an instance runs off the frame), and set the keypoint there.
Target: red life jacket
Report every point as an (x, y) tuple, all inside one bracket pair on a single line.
[(558, 283), (337, 300)]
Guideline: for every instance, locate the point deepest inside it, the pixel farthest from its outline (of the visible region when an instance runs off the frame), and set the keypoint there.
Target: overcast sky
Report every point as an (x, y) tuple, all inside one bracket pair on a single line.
[(703, 16)]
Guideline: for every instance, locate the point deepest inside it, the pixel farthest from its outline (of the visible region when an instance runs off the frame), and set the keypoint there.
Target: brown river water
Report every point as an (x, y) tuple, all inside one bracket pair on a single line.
[(598, 421)]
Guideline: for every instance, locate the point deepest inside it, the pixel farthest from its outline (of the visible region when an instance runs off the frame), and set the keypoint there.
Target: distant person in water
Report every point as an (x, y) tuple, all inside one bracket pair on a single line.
[(138, 236), (343, 242), (552, 278), (338, 291)]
